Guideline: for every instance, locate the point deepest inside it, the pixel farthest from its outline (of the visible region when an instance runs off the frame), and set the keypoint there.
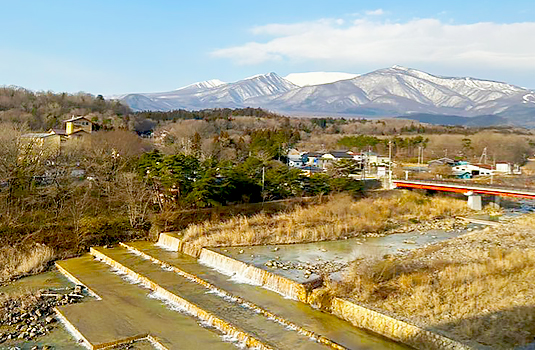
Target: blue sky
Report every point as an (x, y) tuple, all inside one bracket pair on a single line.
[(109, 47)]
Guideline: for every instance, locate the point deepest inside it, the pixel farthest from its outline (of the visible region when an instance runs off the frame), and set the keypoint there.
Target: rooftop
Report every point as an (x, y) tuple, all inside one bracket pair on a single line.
[(340, 154), (40, 135), (58, 131), (76, 118), (313, 154)]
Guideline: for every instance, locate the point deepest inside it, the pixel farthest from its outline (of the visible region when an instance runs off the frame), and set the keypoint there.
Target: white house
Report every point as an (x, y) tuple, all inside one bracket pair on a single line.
[(372, 158), (295, 160), (508, 168), (473, 169)]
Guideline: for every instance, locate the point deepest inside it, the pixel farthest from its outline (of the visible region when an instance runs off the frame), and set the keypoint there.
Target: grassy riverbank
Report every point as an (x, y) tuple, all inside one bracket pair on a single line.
[(341, 216), (16, 262), (476, 288)]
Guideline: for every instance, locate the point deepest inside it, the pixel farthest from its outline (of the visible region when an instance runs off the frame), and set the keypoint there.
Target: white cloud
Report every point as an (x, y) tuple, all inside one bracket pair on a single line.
[(365, 41), (378, 12)]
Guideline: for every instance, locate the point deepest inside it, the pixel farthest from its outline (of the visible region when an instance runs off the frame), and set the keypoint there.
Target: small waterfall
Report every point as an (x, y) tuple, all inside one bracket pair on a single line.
[(254, 275), (75, 280), (236, 299), (85, 343), (72, 330), (189, 307), (169, 242), (240, 270), (155, 343)]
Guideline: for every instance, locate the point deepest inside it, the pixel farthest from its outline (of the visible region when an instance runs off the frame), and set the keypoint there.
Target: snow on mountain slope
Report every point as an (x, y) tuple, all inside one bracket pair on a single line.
[(476, 89), (390, 91), (139, 102), (260, 85), (404, 90), (317, 78), (229, 95), (208, 84)]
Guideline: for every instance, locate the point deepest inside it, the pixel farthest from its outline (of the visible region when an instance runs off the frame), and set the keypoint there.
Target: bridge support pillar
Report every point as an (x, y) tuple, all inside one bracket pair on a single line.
[(474, 201), (496, 203)]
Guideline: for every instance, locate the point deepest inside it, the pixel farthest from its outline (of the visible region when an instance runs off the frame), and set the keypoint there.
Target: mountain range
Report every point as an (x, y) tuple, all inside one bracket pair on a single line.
[(385, 92)]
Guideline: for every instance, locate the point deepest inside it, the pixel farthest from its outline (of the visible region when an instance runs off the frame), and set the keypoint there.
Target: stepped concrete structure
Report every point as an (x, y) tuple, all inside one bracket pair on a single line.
[(156, 293), (173, 295)]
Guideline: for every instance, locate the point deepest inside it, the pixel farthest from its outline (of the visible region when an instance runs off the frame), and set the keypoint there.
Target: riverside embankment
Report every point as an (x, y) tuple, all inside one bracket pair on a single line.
[(267, 281)]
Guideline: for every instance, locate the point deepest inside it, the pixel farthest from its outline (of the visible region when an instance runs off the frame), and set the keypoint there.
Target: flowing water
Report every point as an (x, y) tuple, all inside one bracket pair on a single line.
[(342, 251), (53, 280), (127, 311), (160, 297), (270, 303), (231, 318)]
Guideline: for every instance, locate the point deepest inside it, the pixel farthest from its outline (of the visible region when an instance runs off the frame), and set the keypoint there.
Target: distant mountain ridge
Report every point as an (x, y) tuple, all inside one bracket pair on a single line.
[(481, 120), (318, 78), (385, 92), (203, 84)]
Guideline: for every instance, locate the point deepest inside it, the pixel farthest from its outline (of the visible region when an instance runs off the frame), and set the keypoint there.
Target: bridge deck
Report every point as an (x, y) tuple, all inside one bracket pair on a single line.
[(495, 190)]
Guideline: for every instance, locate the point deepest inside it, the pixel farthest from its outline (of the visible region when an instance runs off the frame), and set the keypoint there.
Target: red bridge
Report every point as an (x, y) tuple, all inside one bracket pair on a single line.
[(467, 188)]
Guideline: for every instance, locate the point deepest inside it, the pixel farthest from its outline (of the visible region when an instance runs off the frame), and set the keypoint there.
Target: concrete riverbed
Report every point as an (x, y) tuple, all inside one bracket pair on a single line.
[(152, 295)]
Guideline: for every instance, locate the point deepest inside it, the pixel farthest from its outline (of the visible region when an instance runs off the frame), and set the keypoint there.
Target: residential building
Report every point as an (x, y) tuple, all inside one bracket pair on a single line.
[(77, 124), (504, 168), (310, 170), (40, 145), (333, 156), (312, 158), (441, 161), (472, 169), (74, 128), (295, 160)]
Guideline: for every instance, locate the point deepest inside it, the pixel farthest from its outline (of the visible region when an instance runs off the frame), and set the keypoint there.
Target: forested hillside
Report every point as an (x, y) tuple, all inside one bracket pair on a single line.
[(45, 110)]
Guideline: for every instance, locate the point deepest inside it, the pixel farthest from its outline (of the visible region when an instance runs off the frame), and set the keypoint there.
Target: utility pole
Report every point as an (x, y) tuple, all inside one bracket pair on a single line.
[(423, 156), (263, 176), (263, 181), (390, 163), (483, 156), (364, 168)]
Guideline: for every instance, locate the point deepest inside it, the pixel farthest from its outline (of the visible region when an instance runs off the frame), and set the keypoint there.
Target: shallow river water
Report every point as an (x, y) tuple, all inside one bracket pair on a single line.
[(336, 251)]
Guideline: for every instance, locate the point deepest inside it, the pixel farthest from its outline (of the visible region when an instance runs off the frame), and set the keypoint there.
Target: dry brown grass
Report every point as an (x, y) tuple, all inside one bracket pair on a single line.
[(476, 288), (16, 262), (340, 217)]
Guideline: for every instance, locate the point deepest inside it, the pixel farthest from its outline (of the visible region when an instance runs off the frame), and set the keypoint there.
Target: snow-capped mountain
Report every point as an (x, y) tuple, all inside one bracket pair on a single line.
[(385, 92), (207, 84), (230, 95), (318, 78), (403, 90)]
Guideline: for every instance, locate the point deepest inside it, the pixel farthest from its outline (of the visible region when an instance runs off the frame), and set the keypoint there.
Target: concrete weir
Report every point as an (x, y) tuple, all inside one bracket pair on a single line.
[(360, 316), (322, 327), (244, 321), (189, 307), (211, 287), (247, 272), (125, 313), (392, 328), (162, 292), (174, 243), (255, 275)]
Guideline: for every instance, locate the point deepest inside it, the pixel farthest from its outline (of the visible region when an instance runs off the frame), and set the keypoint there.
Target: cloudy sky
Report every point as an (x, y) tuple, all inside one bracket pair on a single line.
[(111, 47)]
